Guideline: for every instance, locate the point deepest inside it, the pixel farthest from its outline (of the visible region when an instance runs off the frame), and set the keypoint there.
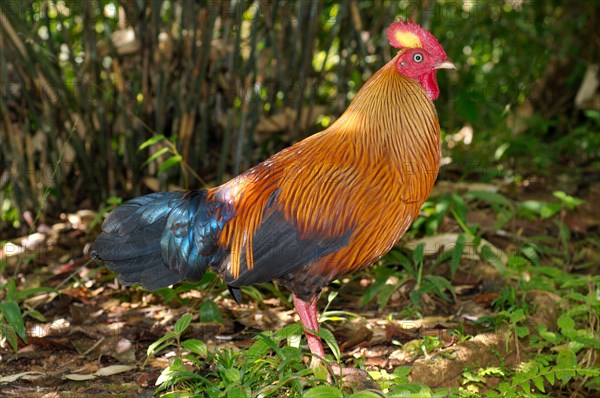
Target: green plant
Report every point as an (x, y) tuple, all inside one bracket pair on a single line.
[(172, 338), (168, 146), (565, 356), (388, 279), (12, 324), (397, 385), (430, 344), (9, 214), (536, 208), (435, 209), (267, 368)]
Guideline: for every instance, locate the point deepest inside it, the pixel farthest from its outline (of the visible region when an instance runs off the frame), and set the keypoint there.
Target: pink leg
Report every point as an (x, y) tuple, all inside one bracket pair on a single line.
[(308, 316)]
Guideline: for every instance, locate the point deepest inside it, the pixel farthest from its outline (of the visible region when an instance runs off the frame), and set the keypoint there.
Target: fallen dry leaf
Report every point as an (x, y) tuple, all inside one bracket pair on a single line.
[(107, 371), (113, 370), (21, 376), (79, 377)]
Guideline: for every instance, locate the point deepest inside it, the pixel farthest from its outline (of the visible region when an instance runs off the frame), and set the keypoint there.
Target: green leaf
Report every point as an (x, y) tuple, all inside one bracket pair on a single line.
[(288, 331), (169, 372), (196, 346), (531, 253), (415, 297), (443, 257), (411, 390), (384, 295), (9, 334), (490, 197), (566, 359), (236, 392), (210, 312), (525, 386), (11, 291), (457, 252), (568, 200), (365, 394), (12, 313), (550, 209), (488, 255), (232, 375), (254, 293), (23, 294), (419, 253), (272, 344), (158, 344), (588, 342), (257, 350), (166, 293), (517, 316), (403, 371), (156, 155), (370, 292), (383, 274), (460, 208), (516, 261), (550, 377), (521, 331), (565, 323), (292, 354), (439, 284), (182, 323), (321, 372), (151, 141), (35, 314), (538, 381), (396, 257), (544, 333), (552, 272), (328, 337), (323, 392), (172, 161), (534, 206)]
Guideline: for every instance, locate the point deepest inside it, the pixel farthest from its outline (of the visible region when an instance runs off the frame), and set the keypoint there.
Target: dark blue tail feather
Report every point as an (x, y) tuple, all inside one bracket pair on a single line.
[(160, 239)]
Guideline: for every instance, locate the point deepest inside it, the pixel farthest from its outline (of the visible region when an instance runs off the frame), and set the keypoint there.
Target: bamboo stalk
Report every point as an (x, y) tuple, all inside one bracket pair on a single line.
[(192, 62)]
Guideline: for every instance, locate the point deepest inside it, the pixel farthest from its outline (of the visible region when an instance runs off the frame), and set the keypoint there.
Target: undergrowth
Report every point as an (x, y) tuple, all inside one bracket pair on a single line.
[(557, 360)]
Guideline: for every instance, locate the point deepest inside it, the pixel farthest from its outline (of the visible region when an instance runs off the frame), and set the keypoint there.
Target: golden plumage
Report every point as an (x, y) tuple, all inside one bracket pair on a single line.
[(369, 173)]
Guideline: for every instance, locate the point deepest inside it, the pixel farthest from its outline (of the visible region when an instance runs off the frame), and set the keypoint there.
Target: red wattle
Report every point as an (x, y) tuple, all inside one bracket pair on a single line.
[(429, 84)]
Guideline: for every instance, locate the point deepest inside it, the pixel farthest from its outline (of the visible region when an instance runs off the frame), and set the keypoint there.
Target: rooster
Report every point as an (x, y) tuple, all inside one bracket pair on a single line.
[(323, 208)]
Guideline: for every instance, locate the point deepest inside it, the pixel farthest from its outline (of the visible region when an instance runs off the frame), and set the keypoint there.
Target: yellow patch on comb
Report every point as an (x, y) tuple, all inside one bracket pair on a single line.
[(407, 39)]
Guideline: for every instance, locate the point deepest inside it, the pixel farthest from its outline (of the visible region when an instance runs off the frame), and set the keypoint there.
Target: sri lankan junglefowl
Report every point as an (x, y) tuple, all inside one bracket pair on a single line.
[(327, 206)]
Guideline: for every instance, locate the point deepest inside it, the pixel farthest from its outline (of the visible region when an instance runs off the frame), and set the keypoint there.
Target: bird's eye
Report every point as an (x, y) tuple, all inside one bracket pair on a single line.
[(418, 57)]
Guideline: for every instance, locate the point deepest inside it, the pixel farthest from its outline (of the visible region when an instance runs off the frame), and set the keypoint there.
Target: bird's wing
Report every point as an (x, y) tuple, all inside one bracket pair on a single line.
[(278, 248)]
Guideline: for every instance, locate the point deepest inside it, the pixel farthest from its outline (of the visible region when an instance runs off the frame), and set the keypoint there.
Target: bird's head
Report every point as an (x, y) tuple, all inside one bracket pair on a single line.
[(421, 55)]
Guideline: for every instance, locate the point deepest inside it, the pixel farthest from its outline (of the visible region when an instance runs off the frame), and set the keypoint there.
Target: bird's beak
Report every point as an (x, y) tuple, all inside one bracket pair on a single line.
[(445, 65)]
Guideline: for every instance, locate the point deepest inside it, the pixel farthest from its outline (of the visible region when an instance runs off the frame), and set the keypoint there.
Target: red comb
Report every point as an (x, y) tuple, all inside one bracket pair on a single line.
[(410, 35)]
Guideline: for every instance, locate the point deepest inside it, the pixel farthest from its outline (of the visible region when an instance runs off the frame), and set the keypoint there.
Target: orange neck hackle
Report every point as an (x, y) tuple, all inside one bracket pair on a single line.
[(384, 117)]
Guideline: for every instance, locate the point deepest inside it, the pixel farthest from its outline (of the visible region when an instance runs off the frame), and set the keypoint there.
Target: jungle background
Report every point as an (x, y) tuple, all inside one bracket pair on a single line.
[(493, 291)]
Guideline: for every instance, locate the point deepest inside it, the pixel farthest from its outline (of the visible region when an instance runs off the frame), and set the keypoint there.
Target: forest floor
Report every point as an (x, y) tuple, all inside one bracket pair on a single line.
[(88, 334)]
